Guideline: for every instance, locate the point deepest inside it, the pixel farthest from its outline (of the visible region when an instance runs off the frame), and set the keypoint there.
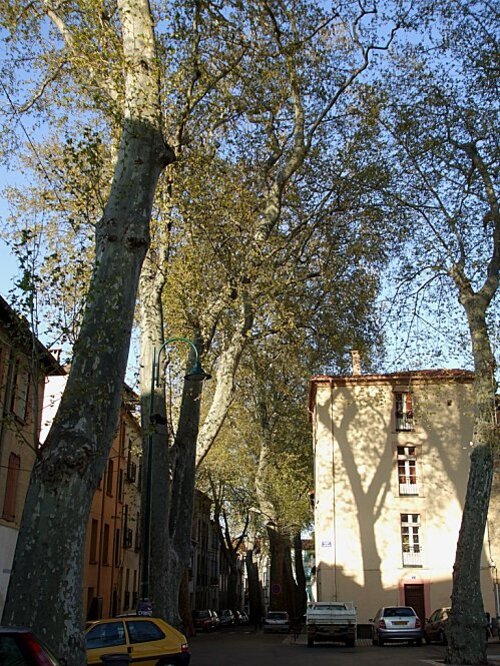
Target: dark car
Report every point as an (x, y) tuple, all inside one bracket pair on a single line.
[(216, 618), (435, 626), (241, 617), (226, 618), (21, 647), (205, 620), (396, 623)]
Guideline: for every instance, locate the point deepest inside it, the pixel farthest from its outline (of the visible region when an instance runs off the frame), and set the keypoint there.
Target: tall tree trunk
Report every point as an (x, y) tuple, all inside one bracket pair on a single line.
[(277, 599), (232, 583), (185, 609), (155, 490), (256, 610), (227, 366), (45, 590), (467, 626), (183, 458), (300, 576)]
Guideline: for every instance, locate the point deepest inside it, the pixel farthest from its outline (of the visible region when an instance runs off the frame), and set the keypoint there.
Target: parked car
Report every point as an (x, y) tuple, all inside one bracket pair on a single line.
[(276, 622), (146, 640), (205, 620), (20, 646), (241, 617), (396, 623), (227, 618), (216, 619), (435, 626)]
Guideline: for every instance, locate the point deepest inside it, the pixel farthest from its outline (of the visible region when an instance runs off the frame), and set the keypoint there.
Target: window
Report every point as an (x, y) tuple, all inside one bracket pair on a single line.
[(138, 531), (144, 631), (93, 541), (407, 470), (117, 548), (410, 539), (105, 544), (131, 468), (105, 635), (120, 485), (404, 411), (128, 538), (9, 502), (109, 478), (19, 400), (135, 593), (126, 594)]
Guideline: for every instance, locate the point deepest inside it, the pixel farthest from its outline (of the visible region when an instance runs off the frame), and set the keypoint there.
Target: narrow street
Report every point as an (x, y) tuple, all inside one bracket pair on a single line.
[(243, 647)]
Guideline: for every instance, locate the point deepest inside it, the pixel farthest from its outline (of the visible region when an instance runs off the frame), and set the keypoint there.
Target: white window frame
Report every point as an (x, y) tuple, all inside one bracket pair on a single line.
[(407, 469), (403, 413), (410, 540)]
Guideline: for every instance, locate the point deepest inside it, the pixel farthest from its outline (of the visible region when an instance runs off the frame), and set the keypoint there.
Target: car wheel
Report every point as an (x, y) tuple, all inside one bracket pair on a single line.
[(350, 642), (374, 642), (418, 642), (442, 638), (380, 642), (427, 640), (310, 642)]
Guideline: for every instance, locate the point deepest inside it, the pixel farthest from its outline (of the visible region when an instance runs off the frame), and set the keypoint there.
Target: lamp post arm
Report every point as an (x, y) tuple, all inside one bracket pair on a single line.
[(157, 355)]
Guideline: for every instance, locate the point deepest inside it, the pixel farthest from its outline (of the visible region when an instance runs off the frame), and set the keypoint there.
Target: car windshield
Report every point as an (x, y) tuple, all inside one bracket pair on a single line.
[(399, 612)]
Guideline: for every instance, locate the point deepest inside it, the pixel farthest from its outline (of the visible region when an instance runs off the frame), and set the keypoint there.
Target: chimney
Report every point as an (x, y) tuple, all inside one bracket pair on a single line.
[(356, 362)]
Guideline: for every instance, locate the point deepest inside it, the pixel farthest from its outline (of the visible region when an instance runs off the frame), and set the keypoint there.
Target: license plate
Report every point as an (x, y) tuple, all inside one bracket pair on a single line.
[(400, 623)]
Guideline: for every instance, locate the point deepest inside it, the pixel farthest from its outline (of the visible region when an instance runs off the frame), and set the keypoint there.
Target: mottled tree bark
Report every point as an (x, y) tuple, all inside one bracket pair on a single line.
[(45, 590), (300, 576), (467, 626), (256, 610)]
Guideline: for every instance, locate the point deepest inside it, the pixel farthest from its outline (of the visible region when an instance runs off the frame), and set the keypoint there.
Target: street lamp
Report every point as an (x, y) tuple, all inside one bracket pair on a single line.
[(195, 373)]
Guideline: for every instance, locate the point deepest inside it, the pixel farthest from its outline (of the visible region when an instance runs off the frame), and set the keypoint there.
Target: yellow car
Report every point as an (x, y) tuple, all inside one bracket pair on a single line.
[(148, 641)]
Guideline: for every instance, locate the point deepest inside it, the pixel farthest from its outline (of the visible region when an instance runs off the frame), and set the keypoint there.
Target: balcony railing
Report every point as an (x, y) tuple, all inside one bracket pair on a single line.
[(412, 558), (127, 538), (131, 472), (408, 488), (404, 421)]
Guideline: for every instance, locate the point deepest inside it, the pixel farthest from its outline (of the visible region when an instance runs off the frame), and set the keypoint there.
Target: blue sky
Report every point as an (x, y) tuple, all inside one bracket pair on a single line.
[(9, 269)]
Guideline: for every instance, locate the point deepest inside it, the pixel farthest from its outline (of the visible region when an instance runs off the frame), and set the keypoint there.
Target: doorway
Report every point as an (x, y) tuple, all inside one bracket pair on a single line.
[(414, 596)]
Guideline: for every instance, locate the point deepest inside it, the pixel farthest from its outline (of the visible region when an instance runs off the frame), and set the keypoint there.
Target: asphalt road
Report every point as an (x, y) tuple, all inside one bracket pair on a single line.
[(243, 647)]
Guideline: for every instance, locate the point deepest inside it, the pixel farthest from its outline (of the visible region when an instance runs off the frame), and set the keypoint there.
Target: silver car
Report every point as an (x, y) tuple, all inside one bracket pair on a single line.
[(396, 623), (277, 621)]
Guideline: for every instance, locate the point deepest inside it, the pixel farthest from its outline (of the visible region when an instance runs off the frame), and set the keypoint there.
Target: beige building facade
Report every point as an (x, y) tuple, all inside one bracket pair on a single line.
[(24, 366), (391, 467)]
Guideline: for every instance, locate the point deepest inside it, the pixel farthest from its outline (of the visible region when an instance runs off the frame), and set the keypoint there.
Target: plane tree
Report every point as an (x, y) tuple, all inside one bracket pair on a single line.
[(442, 129), (277, 120), (246, 219), (111, 54)]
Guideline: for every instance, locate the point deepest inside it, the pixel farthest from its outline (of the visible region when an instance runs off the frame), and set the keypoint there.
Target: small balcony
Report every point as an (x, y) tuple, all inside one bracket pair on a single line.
[(412, 557), (127, 538), (404, 421), (408, 488)]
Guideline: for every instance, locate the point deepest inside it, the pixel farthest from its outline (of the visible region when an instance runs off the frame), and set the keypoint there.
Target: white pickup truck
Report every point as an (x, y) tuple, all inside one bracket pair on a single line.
[(331, 621)]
